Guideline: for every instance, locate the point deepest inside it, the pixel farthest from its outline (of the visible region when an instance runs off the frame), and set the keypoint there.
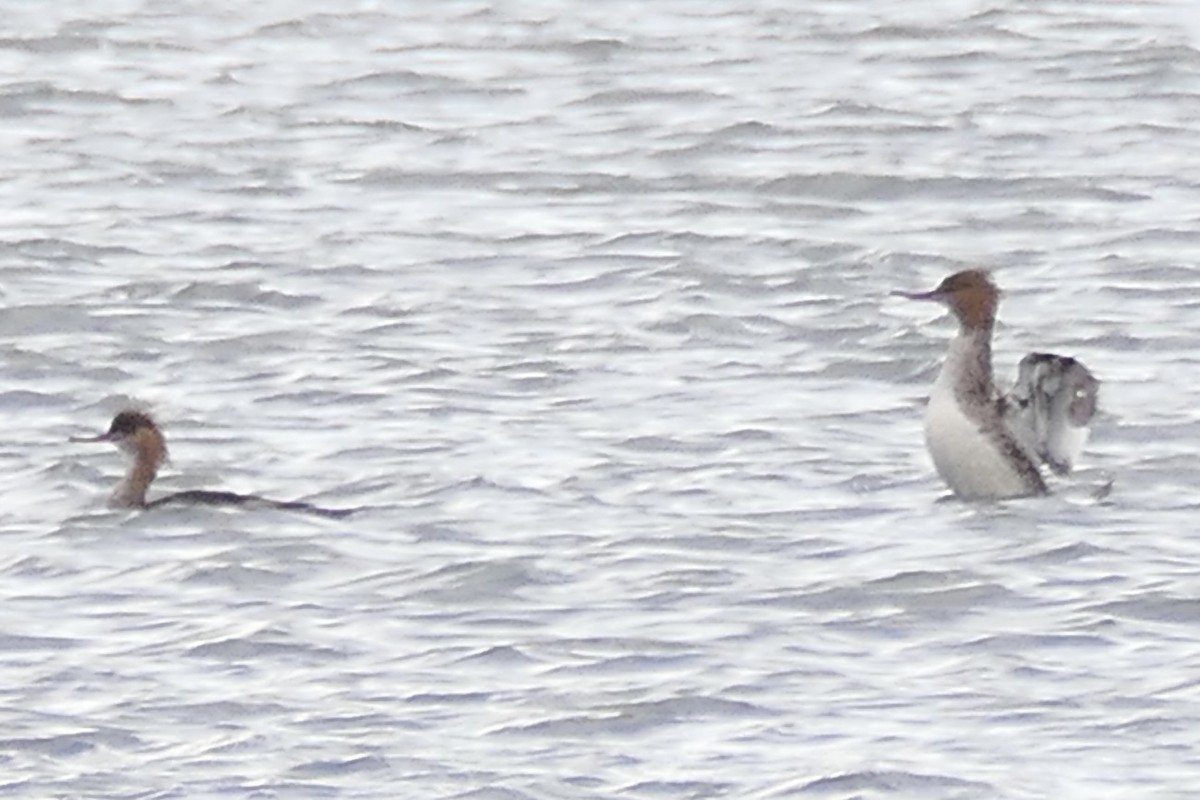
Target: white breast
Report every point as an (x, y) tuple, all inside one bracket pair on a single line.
[(970, 463)]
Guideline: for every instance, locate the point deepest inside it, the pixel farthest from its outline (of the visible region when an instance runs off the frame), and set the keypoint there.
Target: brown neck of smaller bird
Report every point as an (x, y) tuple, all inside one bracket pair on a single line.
[(148, 453), (131, 493)]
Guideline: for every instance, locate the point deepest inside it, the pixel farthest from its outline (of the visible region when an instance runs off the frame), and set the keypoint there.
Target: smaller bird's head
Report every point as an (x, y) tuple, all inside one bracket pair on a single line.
[(135, 432)]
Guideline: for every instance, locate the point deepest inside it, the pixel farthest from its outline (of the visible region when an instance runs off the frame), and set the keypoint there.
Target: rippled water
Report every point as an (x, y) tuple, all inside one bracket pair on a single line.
[(587, 305)]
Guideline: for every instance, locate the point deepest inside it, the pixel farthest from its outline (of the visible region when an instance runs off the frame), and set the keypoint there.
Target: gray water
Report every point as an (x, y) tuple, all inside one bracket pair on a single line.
[(587, 306)]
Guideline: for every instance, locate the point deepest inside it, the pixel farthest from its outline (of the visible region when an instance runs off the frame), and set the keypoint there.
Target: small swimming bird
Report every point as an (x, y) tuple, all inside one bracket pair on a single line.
[(986, 445), (136, 433)]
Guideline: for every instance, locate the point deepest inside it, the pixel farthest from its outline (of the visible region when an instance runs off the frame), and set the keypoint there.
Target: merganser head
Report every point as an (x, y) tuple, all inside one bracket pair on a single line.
[(135, 433), (970, 294)]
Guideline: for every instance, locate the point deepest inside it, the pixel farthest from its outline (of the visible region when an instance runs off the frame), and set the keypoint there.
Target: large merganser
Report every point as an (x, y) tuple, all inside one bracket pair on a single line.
[(136, 433), (988, 446)]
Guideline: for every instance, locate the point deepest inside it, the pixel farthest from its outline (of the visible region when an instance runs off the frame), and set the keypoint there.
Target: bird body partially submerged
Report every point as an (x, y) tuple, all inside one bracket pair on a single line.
[(137, 434)]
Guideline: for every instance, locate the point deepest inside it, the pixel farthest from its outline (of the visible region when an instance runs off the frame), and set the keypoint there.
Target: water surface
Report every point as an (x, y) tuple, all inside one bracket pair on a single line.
[(588, 306)]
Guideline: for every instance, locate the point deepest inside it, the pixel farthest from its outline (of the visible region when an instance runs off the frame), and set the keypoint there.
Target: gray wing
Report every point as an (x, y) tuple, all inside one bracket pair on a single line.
[(1050, 408)]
